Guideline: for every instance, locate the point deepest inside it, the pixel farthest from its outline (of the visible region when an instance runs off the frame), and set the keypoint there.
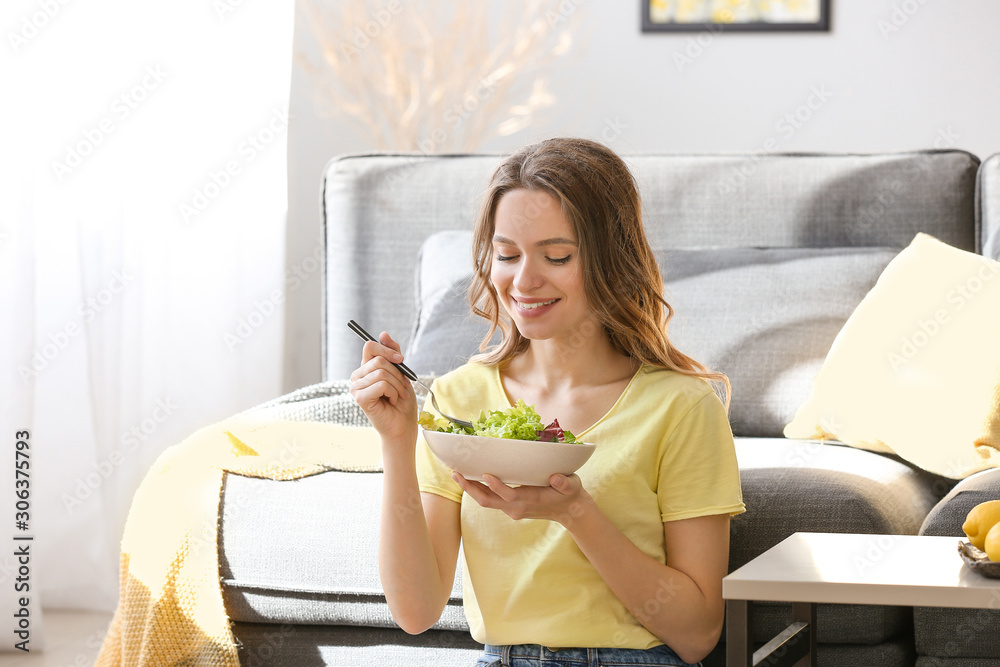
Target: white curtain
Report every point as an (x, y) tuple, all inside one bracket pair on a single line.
[(141, 254)]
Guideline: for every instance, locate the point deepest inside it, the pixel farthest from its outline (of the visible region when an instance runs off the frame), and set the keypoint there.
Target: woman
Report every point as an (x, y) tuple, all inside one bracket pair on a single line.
[(622, 562)]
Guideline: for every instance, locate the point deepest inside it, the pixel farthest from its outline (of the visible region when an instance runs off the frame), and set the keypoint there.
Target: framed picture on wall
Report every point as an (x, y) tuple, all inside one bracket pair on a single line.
[(727, 15)]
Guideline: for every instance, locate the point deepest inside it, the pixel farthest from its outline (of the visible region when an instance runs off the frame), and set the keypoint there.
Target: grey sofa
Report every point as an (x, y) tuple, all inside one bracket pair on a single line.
[(765, 257)]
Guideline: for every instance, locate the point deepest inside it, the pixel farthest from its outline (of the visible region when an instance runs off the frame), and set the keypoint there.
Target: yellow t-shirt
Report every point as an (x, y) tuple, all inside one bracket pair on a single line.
[(664, 452)]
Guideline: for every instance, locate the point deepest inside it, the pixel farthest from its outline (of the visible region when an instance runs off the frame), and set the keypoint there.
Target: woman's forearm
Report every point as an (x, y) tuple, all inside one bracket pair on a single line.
[(665, 600), (412, 577)]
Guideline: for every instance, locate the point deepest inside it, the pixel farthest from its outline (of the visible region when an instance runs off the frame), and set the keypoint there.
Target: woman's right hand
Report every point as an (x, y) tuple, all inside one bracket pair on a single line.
[(384, 393)]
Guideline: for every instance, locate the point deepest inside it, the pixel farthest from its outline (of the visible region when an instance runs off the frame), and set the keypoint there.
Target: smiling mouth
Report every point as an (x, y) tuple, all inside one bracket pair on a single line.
[(532, 306)]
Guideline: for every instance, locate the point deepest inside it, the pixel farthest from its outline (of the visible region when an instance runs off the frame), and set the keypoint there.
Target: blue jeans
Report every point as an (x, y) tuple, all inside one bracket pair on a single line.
[(533, 655)]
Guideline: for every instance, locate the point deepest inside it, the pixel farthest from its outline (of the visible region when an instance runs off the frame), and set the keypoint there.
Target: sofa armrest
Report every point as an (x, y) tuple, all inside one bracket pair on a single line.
[(958, 636), (947, 517)]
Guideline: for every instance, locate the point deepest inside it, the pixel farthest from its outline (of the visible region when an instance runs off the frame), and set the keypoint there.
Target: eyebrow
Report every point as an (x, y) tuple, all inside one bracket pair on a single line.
[(503, 240)]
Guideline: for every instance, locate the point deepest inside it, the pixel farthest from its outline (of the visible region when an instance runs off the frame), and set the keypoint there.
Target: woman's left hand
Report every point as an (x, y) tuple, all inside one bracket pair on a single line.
[(564, 500)]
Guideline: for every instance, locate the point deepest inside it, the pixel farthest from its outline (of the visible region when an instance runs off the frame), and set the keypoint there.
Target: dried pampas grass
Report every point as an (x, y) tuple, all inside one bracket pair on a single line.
[(436, 76)]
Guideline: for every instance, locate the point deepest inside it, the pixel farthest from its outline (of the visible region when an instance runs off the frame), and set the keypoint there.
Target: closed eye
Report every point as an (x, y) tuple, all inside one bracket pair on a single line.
[(552, 260)]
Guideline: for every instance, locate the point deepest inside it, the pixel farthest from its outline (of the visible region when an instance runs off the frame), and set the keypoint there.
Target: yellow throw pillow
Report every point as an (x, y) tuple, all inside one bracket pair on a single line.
[(916, 369)]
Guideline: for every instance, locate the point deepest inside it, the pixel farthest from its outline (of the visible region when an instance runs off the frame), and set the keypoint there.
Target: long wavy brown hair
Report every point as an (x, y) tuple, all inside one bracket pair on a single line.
[(621, 277)]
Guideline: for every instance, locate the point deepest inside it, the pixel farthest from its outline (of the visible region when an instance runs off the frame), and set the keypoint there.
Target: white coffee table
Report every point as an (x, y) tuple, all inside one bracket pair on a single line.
[(810, 568)]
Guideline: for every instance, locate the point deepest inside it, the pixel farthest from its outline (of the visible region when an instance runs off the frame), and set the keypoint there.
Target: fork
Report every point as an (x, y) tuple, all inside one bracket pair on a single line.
[(405, 370)]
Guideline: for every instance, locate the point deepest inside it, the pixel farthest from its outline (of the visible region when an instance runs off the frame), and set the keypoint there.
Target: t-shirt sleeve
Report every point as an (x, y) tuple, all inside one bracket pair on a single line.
[(699, 475), (433, 476)]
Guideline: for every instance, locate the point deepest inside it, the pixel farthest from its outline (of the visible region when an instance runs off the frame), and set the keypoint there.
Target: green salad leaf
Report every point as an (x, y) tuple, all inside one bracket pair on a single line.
[(520, 422)]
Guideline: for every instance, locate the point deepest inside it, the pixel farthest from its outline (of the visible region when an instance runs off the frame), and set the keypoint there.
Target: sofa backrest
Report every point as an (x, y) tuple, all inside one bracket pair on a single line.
[(816, 215)]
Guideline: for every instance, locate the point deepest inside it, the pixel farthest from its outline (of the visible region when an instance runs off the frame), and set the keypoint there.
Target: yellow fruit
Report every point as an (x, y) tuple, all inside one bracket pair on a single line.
[(993, 542), (980, 520)]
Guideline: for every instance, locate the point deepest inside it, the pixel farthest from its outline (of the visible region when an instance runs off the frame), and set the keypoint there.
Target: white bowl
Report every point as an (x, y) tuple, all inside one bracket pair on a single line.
[(526, 462)]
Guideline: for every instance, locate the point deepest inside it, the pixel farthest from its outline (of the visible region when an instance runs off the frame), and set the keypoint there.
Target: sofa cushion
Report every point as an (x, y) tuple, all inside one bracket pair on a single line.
[(765, 317), (916, 369), (753, 313), (946, 634), (306, 551), (445, 332), (794, 486)]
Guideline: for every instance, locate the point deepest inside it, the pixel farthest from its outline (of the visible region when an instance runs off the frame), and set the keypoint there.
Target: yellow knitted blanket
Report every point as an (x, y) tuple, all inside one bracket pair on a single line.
[(170, 610)]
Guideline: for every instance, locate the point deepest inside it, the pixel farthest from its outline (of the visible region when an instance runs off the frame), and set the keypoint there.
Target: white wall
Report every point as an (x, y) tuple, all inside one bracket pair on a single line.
[(891, 75)]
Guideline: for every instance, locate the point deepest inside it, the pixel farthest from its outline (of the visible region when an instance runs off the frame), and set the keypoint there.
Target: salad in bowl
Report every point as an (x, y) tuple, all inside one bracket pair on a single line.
[(521, 422), (513, 445)]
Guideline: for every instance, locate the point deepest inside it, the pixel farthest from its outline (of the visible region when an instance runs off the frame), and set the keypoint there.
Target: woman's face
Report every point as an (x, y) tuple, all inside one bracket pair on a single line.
[(536, 267)]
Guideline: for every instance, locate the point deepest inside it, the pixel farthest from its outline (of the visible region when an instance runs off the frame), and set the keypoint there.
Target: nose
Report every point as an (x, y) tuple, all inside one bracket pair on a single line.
[(528, 276)]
